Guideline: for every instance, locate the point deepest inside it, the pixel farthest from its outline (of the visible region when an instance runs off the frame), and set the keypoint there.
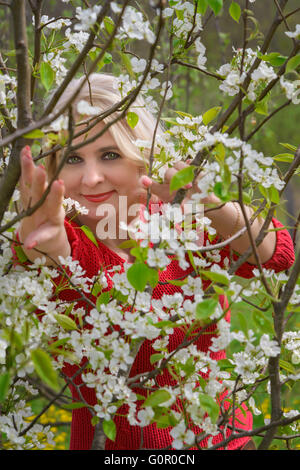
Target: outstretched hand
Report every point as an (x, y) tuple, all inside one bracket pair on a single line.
[(44, 229), (162, 190)]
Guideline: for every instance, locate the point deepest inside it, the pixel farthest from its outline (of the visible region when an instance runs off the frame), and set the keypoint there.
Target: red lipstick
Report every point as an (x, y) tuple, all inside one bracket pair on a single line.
[(98, 197)]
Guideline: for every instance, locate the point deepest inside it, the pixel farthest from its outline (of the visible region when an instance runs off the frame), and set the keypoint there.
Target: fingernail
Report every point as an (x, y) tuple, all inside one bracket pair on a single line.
[(27, 152), (32, 245), (146, 181)]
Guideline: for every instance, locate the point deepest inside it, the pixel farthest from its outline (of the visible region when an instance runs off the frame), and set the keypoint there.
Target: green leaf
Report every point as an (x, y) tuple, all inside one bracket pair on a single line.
[(289, 146), (157, 398), (210, 406), (109, 24), (47, 75), (58, 343), (44, 368), (65, 322), (209, 115), (274, 194), (110, 429), (287, 366), (132, 119), (20, 254), (89, 234), (206, 308), (235, 11), (181, 178), (4, 385), (220, 191), (36, 134), (274, 58), (293, 63), (138, 275), (202, 6), (103, 298), (261, 107), (215, 5), (216, 277), (156, 357), (284, 157)]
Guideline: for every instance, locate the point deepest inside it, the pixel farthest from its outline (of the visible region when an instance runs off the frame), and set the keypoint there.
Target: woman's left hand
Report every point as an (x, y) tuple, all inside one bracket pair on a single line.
[(162, 190)]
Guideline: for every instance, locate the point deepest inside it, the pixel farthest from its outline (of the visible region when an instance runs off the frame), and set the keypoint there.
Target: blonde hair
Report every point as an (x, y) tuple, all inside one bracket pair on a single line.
[(101, 91)]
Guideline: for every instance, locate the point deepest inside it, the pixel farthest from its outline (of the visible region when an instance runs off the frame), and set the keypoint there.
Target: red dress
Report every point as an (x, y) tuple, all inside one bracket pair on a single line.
[(128, 437)]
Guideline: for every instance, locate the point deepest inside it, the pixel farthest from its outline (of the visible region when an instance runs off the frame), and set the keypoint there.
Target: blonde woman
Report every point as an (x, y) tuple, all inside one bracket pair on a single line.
[(107, 169)]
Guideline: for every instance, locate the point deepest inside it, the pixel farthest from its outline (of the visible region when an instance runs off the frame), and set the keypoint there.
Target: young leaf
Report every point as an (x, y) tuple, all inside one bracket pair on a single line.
[(65, 322), (202, 7), (274, 58), (293, 63), (4, 385), (156, 357), (103, 298), (110, 429), (215, 5), (235, 11), (216, 277), (206, 308), (20, 254), (210, 406), (209, 115), (47, 75), (137, 275), (181, 178), (157, 397), (36, 134), (132, 119), (89, 234), (284, 157), (44, 368)]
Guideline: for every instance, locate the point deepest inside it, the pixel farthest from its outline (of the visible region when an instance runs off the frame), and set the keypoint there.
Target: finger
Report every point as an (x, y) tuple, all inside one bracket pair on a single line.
[(27, 171), (27, 165), (180, 165), (40, 236), (38, 185), (55, 199)]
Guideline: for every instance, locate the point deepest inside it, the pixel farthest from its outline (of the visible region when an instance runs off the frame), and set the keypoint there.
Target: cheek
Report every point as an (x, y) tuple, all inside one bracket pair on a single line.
[(125, 178), (69, 182)]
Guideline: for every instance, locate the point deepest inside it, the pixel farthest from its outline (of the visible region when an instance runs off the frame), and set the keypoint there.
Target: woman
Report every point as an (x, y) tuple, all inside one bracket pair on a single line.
[(107, 169)]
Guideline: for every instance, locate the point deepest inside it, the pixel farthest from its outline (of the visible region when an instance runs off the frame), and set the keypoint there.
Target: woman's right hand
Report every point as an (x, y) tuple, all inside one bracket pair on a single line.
[(44, 229)]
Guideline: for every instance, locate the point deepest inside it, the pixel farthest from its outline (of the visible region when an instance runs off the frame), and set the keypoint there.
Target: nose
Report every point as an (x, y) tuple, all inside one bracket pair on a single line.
[(92, 175)]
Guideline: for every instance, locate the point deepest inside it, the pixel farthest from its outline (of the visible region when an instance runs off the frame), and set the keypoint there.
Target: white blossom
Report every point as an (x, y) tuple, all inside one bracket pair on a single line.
[(181, 436), (85, 108), (294, 34), (87, 17), (145, 416), (269, 347)]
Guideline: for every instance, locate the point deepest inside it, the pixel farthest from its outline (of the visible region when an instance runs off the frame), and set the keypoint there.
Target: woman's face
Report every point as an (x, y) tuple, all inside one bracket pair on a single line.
[(99, 173)]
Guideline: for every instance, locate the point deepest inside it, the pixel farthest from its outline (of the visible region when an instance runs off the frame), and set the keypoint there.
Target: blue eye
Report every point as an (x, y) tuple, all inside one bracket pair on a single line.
[(110, 156), (73, 159)]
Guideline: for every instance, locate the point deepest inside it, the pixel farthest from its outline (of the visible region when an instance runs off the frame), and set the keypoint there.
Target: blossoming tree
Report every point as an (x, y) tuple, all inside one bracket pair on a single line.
[(41, 57)]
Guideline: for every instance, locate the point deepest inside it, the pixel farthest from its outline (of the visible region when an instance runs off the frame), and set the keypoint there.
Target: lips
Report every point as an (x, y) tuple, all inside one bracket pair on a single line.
[(98, 197)]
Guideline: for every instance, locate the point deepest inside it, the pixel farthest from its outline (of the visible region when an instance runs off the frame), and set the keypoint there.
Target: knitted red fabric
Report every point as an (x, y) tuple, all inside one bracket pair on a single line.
[(128, 437)]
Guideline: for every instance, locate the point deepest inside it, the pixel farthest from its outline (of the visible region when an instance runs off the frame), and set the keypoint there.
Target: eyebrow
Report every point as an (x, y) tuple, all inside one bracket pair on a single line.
[(109, 147)]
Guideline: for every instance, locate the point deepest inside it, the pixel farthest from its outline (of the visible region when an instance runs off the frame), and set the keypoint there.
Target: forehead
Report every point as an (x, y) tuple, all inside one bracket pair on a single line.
[(94, 137)]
